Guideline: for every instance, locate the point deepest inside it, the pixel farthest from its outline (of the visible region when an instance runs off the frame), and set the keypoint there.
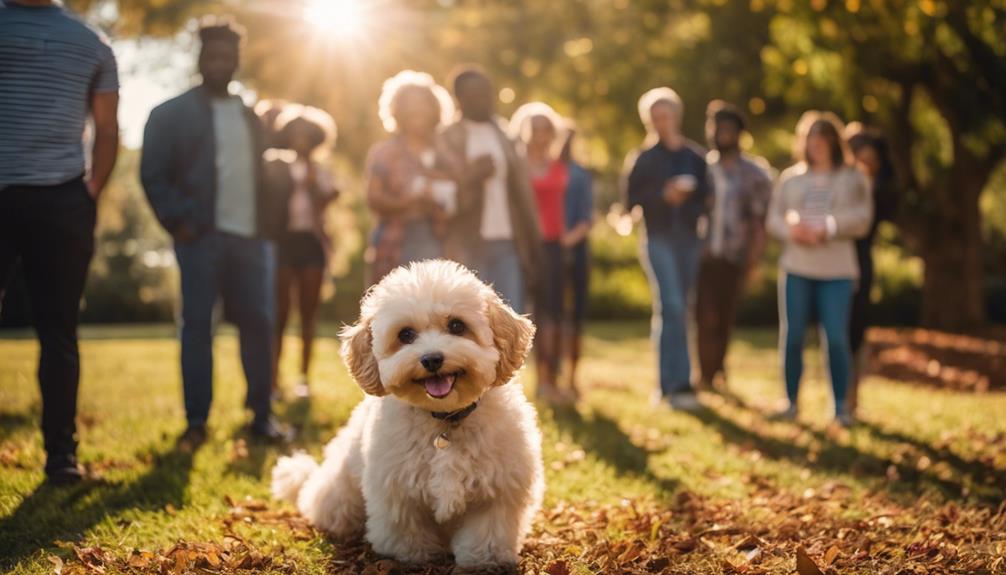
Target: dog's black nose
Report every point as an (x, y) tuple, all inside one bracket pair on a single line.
[(432, 361)]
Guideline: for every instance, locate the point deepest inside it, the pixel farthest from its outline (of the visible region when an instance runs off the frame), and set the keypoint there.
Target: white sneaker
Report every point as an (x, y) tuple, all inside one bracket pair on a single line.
[(685, 401), (302, 390)]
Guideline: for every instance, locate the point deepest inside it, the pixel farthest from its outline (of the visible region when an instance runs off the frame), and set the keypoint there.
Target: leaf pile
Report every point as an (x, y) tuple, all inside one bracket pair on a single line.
[(964, 362), (771, 532)]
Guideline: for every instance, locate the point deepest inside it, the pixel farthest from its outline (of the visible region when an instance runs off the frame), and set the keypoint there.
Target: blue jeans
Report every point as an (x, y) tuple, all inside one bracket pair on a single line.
[(241, 271), (419, 242), (831, 300), (497, 263), (671, 264)]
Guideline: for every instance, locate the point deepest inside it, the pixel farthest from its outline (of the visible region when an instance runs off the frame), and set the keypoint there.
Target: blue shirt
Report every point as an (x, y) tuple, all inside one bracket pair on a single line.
[(579, 206), (51, 63)]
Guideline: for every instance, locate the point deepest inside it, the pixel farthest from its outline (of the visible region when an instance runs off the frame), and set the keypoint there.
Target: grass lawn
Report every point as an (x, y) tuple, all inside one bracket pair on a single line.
[(917, 487)]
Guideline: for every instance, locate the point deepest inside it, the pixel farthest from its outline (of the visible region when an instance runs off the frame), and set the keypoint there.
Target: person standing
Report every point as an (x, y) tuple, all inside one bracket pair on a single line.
[(736, 238), (202, 172), (579, 214), (55, 71), (302, 189), (871, 157), (411, 177), (536, 126), (495, 230), (819, 208), (668, 180)]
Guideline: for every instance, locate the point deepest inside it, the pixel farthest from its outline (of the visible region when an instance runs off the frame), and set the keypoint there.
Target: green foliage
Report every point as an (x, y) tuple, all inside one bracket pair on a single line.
[(901, 65)]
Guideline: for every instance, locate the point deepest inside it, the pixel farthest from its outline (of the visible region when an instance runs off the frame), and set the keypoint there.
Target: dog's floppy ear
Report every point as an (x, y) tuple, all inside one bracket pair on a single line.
[(358, 353), (512, 336)]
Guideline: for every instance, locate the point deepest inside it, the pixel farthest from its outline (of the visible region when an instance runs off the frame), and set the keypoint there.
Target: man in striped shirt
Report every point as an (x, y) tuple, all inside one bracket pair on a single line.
[(54, 72)]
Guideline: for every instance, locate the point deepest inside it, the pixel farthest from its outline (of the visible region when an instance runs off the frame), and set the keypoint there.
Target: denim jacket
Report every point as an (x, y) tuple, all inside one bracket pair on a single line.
[(178, 165)]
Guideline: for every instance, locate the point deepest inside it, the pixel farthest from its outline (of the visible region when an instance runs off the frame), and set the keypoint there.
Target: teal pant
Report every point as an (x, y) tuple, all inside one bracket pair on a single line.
[(830, 300)]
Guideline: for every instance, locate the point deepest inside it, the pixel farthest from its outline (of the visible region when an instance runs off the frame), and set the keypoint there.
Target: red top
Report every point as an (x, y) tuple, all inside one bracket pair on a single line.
[(549, 192)]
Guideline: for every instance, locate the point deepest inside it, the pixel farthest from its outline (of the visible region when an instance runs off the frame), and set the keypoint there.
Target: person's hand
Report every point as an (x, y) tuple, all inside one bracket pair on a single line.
[(183, 234), (807, 235), (311, 178), (569, 239), (674, 193), (482, 167), (92, 189)]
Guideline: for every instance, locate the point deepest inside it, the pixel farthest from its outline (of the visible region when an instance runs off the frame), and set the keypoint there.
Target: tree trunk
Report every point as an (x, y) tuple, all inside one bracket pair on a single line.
[(953, 295)]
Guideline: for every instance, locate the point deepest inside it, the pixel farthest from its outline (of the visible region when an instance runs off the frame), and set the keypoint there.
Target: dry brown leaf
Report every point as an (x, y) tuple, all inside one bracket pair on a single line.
[(805, 565), (557, 568), (831, 555), (57, 565)]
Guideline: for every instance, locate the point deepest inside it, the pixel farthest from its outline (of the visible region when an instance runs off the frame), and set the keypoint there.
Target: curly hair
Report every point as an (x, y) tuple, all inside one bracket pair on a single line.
[(220, 28), (320, 126), (411, 81)]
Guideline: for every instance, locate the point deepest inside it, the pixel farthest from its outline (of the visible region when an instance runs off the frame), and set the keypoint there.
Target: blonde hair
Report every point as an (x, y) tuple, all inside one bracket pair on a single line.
[(407, 80), (661, 95), (520, 121)]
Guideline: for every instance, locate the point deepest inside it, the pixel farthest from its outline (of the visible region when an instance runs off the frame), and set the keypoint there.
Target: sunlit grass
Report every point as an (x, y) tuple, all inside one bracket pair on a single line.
[(615, 446)]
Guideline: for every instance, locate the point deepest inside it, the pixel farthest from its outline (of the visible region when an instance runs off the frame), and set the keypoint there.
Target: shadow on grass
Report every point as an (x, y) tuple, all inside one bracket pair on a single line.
[(309, 434), (601, 436), (50, 514), (983, 474), (835, 457), (12, 423)]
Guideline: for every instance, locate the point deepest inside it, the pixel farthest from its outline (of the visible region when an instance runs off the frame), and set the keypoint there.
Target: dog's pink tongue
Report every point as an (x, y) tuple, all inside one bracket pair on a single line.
[(439, 386)]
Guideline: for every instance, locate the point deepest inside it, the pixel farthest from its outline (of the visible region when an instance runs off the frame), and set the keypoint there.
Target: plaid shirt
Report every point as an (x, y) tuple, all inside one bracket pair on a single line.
[(742, 192)]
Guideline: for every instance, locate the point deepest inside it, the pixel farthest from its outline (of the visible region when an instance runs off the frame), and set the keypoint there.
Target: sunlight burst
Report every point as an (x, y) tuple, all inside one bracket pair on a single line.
[(341, 18)]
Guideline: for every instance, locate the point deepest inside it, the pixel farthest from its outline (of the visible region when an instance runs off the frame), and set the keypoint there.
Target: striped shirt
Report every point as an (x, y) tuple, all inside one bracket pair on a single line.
[(51, 63), (817, 201)]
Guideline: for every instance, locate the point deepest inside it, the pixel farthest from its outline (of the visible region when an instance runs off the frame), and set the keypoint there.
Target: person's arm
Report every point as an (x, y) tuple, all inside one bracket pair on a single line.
[(379, 197), (159, 178), (583, 211), (324, 188), (775, 222), (640, 190), (105, 111), (853, 220), (759, 200), (104, 103)]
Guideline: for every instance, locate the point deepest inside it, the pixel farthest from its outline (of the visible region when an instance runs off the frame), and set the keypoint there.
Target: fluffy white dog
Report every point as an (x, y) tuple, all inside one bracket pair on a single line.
[(444, 453)]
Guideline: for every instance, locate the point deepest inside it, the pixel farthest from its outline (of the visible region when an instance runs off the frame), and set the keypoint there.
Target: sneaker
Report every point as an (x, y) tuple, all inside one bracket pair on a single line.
[(192, 439), (269, 431), (845, 419), (788, 414), (63, 470), (685, 401)]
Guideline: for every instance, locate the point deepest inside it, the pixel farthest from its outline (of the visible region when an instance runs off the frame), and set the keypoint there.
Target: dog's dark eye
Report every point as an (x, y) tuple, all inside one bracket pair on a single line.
[(407, 335), (456, 327)]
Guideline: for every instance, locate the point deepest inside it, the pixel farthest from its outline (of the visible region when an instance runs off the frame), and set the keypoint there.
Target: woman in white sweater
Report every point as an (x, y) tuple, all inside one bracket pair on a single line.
[(819, 208)]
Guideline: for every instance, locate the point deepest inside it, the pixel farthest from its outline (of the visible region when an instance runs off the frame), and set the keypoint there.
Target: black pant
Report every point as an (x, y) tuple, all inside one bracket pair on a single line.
[(51, 228)]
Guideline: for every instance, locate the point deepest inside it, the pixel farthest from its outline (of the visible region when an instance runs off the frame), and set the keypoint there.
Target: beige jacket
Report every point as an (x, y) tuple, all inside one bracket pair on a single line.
[(463, 231), (851, 213)]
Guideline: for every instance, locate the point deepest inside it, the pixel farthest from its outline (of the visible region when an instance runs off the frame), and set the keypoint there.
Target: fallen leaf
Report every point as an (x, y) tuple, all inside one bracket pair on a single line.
[(805, 565)]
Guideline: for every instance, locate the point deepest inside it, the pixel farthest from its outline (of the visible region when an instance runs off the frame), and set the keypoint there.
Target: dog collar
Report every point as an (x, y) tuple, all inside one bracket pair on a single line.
[(455, 416)]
